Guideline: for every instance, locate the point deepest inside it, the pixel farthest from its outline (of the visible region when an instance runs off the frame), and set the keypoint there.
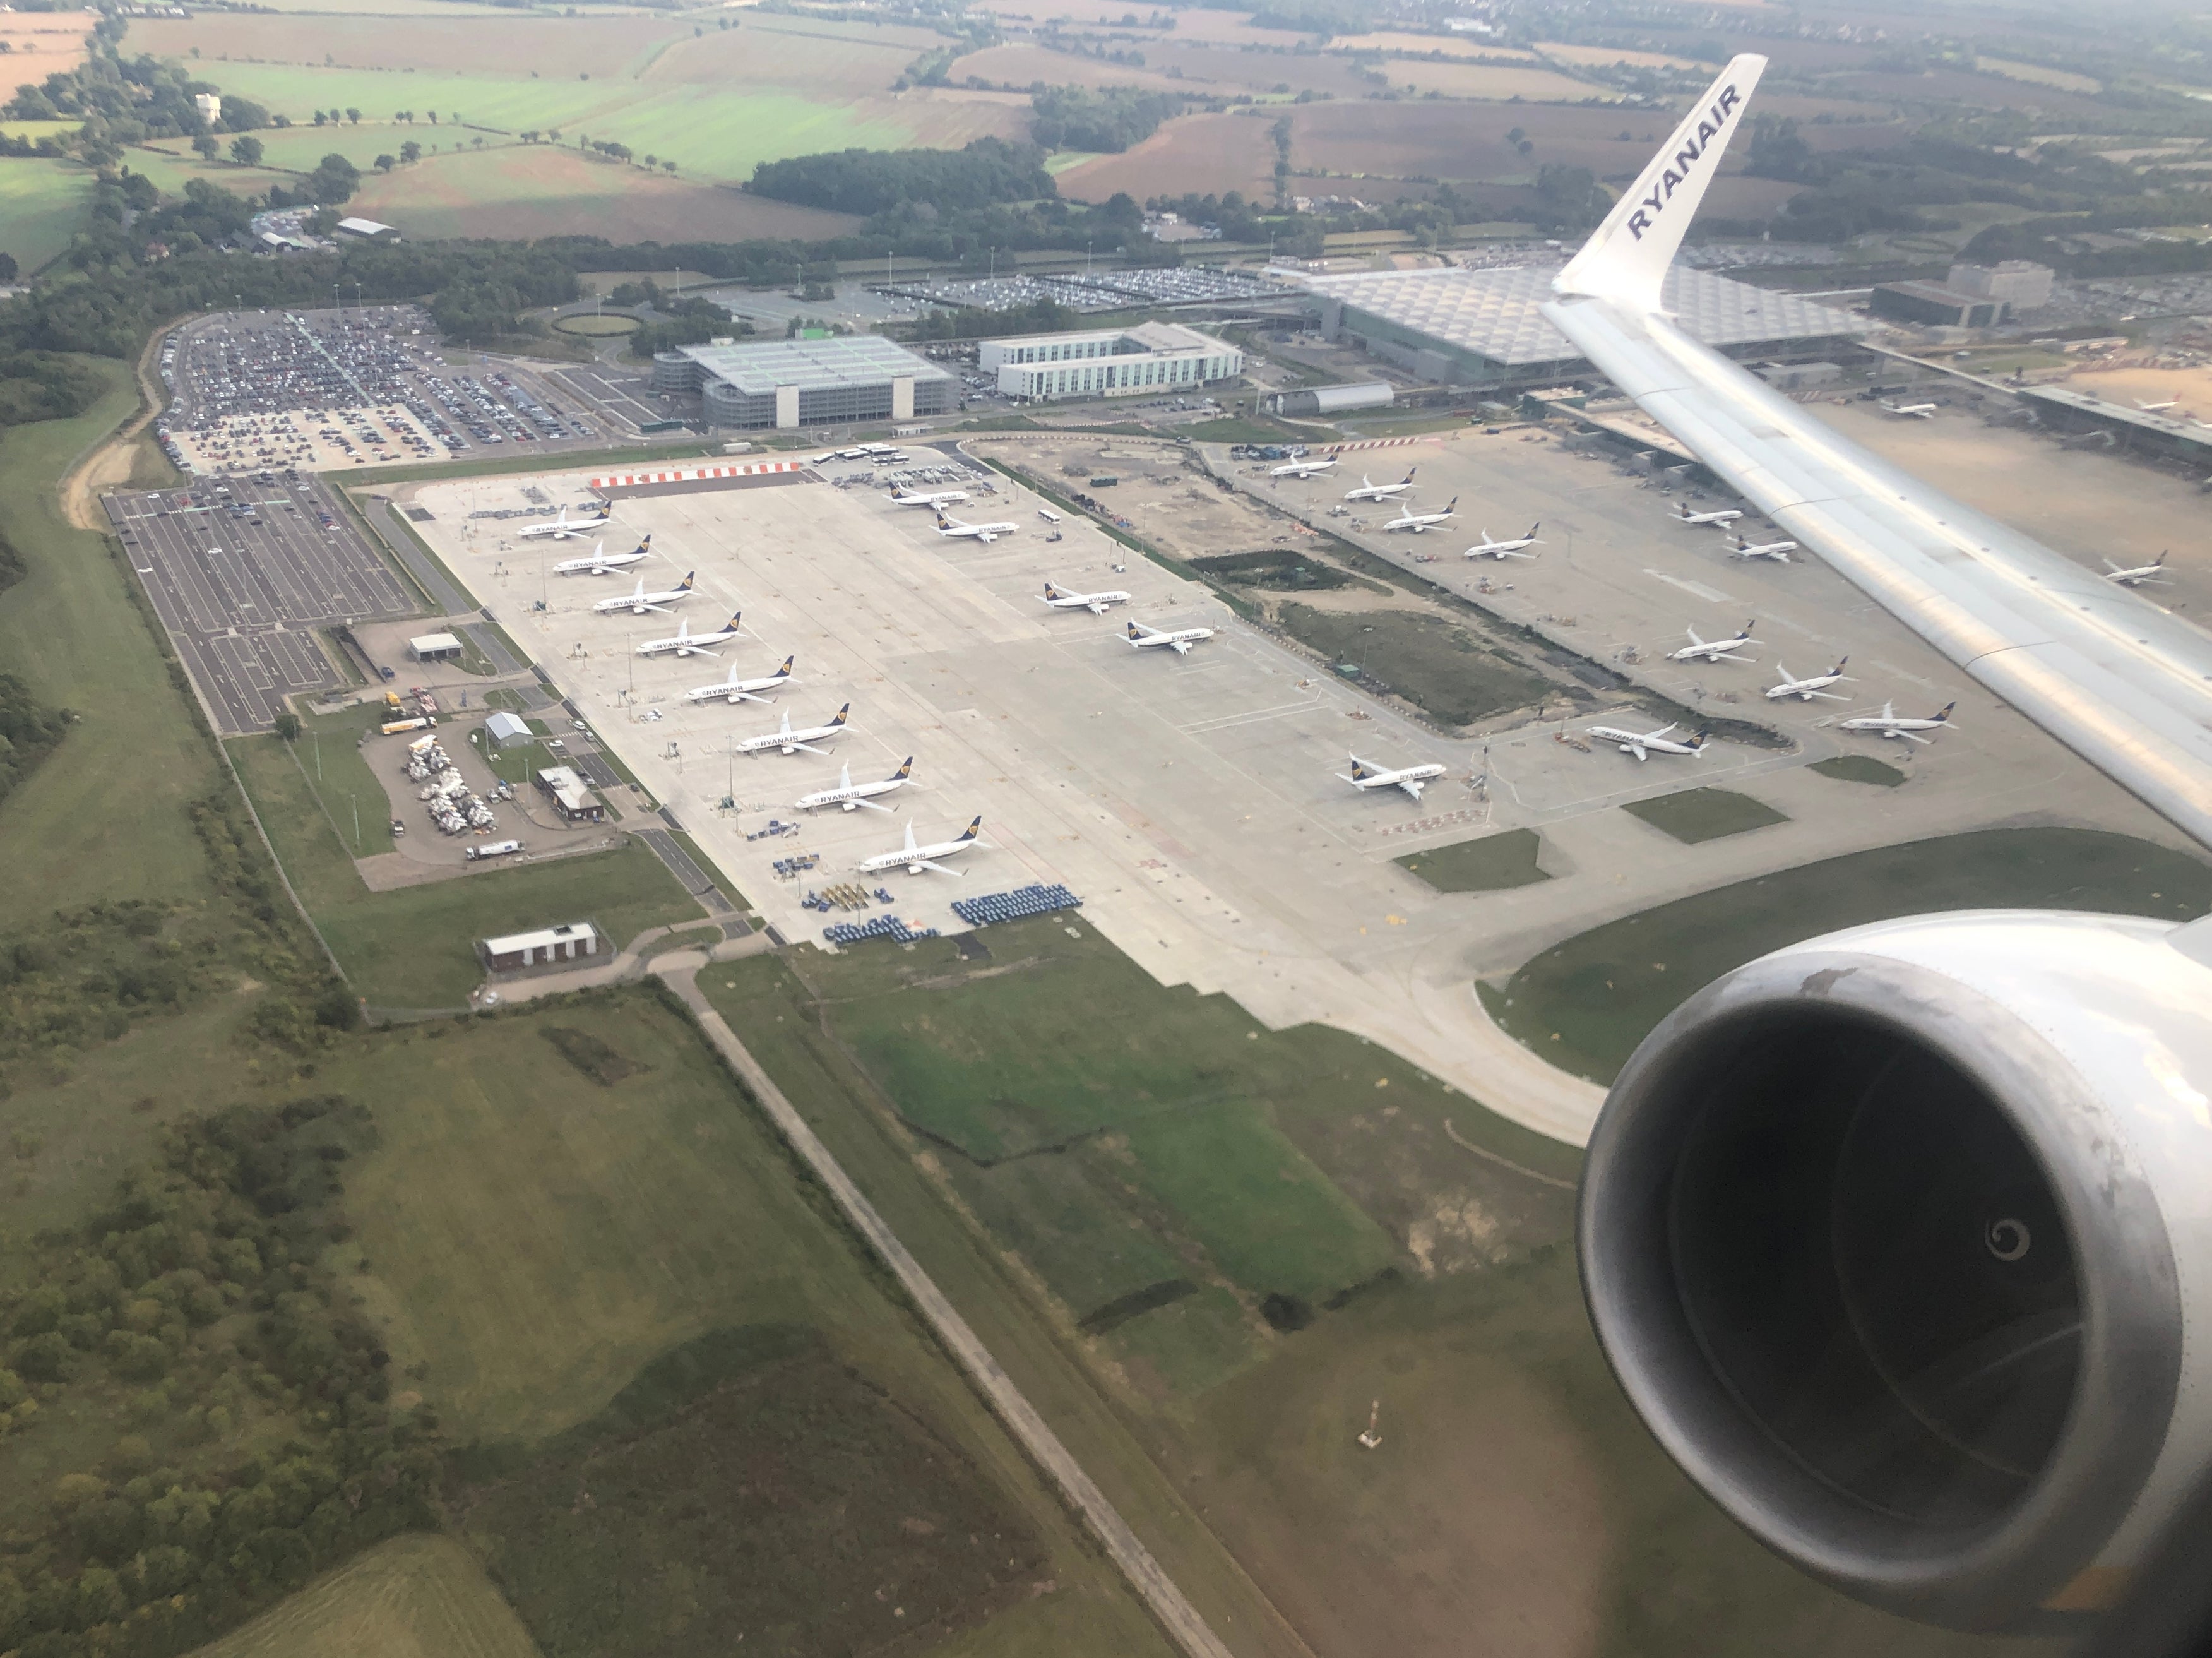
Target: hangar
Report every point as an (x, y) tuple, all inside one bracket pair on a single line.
[(836, 381), (1481, 327)]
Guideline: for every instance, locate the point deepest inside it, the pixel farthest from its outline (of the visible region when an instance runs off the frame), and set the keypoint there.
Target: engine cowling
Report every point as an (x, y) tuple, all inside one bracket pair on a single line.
[(1900, 1241)]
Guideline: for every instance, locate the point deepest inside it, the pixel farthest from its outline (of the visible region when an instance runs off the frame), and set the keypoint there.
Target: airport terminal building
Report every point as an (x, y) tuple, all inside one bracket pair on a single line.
[(837, 381), (1462, 327), (1152, 357)]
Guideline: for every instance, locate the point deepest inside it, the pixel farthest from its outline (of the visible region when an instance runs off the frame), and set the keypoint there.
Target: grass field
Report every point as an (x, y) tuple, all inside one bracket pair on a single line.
[(104, 817), (1603, 990), (1514, 1506), (532, 191), (1433, 664), (42, 202), (415, 1596), (1694, 815), (1859, 769), (560, 1257), (1493, 864), (1493, 82), (415, 947), (1605, 57)]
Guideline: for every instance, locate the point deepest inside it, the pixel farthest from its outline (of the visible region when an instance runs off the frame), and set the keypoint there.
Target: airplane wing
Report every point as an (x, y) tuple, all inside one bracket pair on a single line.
[(1413, 786), (808, 747), (1638, 750), (2125, 684), (1095, 608), (662, 609), (932, 864), (1181, 646)]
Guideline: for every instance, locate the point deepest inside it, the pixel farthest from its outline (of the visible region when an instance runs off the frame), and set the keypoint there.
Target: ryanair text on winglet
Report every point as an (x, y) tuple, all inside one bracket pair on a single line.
[(1678, 171)]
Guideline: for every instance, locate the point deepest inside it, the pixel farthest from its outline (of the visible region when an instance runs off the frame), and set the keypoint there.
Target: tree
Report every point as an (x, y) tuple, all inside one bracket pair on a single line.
[(668, 167), (288, 727), (246, 150), (652, 160), (321, 119), (7, 267), (334, 179), (385, 164), (353, 116), (410, 152), (207, 146)]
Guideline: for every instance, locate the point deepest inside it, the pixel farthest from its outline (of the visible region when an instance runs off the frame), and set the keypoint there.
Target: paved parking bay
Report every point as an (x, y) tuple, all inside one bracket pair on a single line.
[(242, 580)]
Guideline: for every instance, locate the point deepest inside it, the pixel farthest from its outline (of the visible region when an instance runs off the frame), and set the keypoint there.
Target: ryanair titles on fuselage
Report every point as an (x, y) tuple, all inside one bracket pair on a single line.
[(1678, 172)]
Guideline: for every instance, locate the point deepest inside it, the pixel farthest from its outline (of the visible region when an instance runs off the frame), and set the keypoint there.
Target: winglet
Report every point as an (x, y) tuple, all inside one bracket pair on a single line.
[(1626, 258)]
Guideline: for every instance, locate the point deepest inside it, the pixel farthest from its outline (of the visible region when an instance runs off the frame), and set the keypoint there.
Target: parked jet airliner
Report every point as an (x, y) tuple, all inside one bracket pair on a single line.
[(953, 526), (2154, 572), (916, 858), (850, 796), (1682, 514), (1143, 638), (1910, 410), (1779, 551), (1420, 522), (602, 561), (638, 603), (939, 498), (1094, 603), (1412, 779), (1370, 490), (1302, 469), (1645, 744), (734, 690), (1810, 687), (560, 529), (687, 643), (1889, 723), (1512, 547), (785, 740), (1711, 650)]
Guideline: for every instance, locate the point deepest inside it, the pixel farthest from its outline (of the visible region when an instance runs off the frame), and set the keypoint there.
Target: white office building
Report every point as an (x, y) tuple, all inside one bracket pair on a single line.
[(1153, 357)]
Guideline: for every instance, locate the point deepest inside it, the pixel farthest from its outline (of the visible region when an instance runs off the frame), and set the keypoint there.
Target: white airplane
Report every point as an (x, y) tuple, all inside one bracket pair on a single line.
[(1419, 522), (1889, 723), (1645, 744), (1511, 548), (953, 526), (2153, 572), (928, 497), (1682, 514), (2158, 408), (850, 796), (785, 740), (734, 690), (1302, 469), (638, 603), (1094, 603), (917, 858), (1779, 551), (1143, 638), (1712, 650), (1909, 411), (560, 529), (602, 561), (1370, 490), (687, 643), (1811, 686), (1412, 779)]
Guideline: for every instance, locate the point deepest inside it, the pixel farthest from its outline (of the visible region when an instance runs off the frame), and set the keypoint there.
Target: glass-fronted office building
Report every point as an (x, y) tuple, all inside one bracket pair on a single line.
[(841, 380)]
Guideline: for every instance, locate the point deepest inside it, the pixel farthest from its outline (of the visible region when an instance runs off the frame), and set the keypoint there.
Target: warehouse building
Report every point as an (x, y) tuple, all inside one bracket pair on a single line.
[(838, 381), (505, 731), (570, 941), (434, 648), (1111, 363), (1935, 304), (1461, 327), (1334, 399)]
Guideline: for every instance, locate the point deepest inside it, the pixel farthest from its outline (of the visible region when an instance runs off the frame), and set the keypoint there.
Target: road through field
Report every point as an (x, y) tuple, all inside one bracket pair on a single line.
[(1177, 1615)]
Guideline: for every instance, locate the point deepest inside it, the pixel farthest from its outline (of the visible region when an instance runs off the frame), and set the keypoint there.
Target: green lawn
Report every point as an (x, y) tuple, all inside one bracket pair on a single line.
[(1603, 991), (1436, 665), (619, 1288), (415, 947), (1693, 814), (1492, 864), (105, 817), (42, 202), (1859, 769)]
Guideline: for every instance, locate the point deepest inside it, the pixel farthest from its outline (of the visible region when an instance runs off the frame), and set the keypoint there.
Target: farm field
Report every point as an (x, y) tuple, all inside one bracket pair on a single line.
[(1494, 83), (106, 818), (2040, 75), (1603, 990), (531, 191), (1211, 154), (1605, 57), (1421, 45), (415, 947), (1514, 1494), (42, 43), (172, 167), (417, 1596), (42, 202), (1020, 65), (605, 1269)]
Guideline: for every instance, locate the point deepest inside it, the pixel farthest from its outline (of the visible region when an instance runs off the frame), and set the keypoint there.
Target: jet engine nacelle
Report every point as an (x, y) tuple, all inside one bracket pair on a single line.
[(1900, 1241)]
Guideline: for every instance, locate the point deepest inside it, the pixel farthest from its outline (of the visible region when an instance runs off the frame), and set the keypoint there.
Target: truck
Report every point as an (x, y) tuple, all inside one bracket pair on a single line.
[(491, 849), (392, 701), (393, 728)]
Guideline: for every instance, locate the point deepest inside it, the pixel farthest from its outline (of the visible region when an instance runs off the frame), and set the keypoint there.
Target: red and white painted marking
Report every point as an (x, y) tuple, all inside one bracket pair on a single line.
[(692, 474)]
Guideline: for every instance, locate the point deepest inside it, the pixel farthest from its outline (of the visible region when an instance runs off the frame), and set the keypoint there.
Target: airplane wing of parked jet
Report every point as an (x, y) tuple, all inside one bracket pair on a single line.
[(2125, 684)]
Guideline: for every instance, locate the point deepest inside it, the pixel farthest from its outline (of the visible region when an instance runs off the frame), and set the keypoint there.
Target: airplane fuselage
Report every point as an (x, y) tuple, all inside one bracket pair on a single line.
[(597, 566)]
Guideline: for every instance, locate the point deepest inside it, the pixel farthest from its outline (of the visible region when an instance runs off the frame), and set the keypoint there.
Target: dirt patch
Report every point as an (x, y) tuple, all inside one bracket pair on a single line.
[(43, 43), (1211, 154), (603, 1063)]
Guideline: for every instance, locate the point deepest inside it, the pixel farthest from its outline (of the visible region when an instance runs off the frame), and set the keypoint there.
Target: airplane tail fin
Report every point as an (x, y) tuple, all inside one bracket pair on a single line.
[(684, 586), (1699, 737), (1944, 713), (975, 828), (1453, 502), (736, 617), (1838, 668), (1359, 769), (1626, 258), (783, 672), (1410, 470), (905, 770), (1050, 591)]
